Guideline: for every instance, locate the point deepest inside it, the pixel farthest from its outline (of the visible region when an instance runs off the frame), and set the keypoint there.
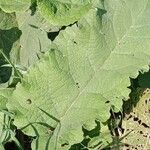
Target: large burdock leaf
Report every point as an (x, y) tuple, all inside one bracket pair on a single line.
[(33, 40), (4, 95), (86, 72), (55, 92), (14, 5), (63, 12)]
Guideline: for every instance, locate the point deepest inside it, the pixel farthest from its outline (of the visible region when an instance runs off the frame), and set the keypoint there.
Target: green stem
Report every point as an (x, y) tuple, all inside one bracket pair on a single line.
[(6, 58)]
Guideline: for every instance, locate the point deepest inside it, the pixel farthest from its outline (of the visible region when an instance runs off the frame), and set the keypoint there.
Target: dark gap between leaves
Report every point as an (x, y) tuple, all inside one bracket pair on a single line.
[(53, 35)]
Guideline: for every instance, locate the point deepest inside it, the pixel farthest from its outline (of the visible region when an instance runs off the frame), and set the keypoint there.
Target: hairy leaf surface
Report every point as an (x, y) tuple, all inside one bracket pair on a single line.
[(14, 5), (63, 12), (86, 73), (34, 38)]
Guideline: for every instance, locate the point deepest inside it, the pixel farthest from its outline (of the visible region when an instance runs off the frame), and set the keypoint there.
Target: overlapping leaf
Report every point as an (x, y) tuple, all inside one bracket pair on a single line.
[(9, 46), (63, 12), (34, 38), (85, 73), (7, 21), (144, 80), (14, 5)]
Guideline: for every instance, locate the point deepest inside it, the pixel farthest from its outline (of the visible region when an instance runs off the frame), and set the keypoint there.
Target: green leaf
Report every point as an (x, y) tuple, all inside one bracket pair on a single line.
[(9, 46), (8, 31), (86, 72), (14, 5), (33, 40), (8, 38), (7, 20), (5, 94), (71, 105), (101, 140), (8, 49), (63, 12)]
